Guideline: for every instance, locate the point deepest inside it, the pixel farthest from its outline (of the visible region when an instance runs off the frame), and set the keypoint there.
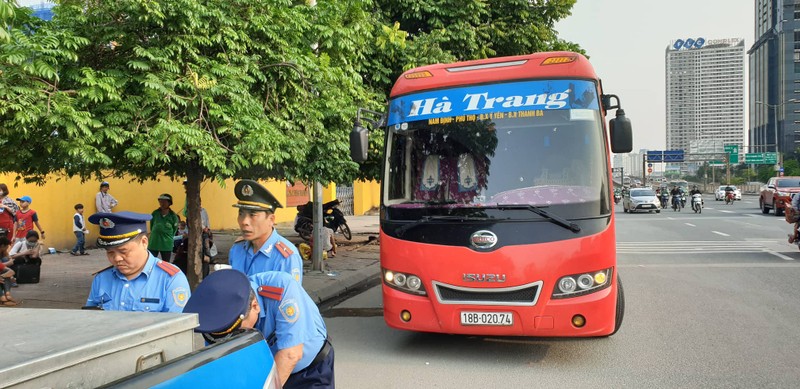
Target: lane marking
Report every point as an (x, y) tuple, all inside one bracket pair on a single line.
[(722, 210), (714, 265), (690, 224), (779, 255), (720, 233)]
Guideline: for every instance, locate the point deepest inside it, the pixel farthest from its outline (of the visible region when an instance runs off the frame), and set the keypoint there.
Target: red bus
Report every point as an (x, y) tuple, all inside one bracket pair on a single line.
[(496, 198)]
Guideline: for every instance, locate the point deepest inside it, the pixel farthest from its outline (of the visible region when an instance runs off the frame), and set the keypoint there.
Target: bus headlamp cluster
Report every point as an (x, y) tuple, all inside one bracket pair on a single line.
[(580, 284), (403, 282)]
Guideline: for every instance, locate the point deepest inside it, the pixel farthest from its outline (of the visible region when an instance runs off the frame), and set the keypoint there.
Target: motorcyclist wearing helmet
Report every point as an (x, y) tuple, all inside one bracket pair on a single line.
[(795, 208), (695, 191), (729, 193)]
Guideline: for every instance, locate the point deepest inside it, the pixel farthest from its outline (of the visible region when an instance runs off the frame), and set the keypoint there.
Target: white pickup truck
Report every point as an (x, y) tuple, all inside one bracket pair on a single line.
[(55, 348)]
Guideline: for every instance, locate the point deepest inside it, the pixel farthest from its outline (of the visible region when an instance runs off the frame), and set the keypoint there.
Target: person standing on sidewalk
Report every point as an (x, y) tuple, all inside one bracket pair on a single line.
[(136, 280), (163, 227), (262, 249), (26, 218), (8, 213), (80, 230), (103, 200), (274, 304)]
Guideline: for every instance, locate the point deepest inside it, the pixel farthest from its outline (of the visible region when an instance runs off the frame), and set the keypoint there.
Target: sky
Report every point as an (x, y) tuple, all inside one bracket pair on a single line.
[(626, 41)]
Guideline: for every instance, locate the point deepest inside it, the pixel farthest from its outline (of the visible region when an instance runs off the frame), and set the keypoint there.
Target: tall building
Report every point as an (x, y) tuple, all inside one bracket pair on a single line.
[(775, 77), (705, 93), (42, 9)]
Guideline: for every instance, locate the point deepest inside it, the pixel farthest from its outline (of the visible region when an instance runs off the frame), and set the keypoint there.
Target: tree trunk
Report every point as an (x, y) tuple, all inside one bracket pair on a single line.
[(194, 259)]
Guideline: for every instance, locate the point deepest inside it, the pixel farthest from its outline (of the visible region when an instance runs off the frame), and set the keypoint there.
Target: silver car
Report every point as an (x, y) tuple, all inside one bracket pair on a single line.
[(641, 199)]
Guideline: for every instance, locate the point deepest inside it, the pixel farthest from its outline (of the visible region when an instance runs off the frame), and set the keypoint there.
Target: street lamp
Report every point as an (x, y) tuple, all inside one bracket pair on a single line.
[(775, 123)]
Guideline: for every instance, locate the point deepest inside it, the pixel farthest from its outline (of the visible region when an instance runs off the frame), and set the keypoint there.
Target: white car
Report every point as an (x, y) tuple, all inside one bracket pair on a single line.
[(719, 195), (641, 199)]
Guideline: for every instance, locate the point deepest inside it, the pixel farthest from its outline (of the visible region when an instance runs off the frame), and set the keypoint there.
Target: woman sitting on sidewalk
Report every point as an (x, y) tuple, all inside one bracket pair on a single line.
[(6, 274)]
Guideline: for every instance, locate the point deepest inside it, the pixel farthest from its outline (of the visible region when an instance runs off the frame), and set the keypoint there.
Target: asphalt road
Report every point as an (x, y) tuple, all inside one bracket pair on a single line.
[(712, 302)]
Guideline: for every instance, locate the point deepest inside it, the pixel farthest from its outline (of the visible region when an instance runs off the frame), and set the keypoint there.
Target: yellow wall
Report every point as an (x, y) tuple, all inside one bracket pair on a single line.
[(54, 202), (366, 195)]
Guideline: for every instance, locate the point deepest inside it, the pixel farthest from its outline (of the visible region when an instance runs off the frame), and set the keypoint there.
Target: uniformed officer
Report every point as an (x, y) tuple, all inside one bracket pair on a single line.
[(136, 280), (277, 306), (262, 249)]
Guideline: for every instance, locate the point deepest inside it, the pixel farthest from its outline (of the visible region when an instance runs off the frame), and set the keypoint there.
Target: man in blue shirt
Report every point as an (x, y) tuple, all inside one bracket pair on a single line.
[(228, 302), (136, 280), (262, 249)]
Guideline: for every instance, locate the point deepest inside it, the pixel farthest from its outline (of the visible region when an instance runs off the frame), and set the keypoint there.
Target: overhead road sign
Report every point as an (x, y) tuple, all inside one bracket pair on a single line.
[(733, 153), (761, 158), (665, 156)]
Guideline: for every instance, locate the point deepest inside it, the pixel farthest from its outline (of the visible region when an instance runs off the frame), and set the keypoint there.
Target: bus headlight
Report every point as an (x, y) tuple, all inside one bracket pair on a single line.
[(403, 282), (586, 283)]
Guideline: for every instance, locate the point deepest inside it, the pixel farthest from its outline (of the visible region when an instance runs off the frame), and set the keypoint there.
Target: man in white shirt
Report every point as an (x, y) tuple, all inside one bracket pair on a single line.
[(103, 200)]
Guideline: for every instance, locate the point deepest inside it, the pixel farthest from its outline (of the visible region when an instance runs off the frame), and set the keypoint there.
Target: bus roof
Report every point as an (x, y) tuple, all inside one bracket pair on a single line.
[(566, 65)]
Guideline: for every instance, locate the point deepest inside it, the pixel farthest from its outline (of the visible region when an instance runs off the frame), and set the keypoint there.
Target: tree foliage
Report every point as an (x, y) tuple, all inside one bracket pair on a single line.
[(218, 89)]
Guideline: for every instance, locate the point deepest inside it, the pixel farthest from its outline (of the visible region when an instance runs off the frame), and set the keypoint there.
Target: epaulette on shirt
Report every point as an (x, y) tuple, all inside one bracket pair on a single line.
[(284, 249), (100, 271), (169, 268), (270, 292)]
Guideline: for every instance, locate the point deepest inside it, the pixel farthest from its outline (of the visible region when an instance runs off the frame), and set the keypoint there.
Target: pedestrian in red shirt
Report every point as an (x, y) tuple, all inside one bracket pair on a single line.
[(26, 218), (8, 213)]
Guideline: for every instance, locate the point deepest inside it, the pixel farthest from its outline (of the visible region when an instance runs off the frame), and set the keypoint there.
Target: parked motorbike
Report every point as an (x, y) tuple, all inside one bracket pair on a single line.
[(697, 203), (333, 218), (676, 203)]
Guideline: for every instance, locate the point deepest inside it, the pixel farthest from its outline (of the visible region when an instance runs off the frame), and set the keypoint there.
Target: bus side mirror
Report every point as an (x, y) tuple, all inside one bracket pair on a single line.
[(359, 143), (621, 133)]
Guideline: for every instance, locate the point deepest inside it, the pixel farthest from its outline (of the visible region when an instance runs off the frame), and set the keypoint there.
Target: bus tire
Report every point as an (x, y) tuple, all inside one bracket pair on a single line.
[(620, 306)]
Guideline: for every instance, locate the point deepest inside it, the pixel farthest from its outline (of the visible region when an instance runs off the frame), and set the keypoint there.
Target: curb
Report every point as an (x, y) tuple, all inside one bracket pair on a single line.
[(345, 284)]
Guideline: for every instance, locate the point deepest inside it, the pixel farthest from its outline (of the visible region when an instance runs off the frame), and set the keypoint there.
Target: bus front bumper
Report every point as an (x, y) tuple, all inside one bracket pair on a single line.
[(548, 318)]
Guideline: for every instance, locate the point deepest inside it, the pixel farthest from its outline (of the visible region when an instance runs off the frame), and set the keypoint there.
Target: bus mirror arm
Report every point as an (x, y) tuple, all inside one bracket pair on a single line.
[(359, 136)]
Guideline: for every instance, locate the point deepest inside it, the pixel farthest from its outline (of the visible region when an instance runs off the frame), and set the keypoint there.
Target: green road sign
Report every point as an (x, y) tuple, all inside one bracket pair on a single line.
[(761, 158), (733, 151)]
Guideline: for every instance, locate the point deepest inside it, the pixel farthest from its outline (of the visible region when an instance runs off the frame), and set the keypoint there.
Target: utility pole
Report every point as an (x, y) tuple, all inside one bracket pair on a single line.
[(644, 172), (728, 166)]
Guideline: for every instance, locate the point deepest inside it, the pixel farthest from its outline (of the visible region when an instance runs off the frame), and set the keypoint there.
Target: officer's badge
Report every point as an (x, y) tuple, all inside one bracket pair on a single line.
[(289, 310), (296, 274), (106, 223), (247, 191), (181, 296)]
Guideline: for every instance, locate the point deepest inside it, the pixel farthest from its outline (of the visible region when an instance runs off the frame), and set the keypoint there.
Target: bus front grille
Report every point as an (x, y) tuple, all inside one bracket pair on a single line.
[(516, 295)]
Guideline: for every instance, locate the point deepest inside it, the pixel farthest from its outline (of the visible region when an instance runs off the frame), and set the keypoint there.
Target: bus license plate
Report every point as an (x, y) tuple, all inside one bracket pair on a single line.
[(486, 318)]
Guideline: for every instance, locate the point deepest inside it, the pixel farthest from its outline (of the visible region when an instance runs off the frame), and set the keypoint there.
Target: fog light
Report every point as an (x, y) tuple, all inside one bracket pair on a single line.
[(578, 321), (399, 279), (406, 316), (585, 281), (413, 283), (567, 284), (389, 276), (600, 278)]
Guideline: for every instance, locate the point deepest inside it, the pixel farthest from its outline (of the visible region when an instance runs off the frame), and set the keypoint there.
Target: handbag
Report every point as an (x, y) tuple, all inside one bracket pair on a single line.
[(791, 215)]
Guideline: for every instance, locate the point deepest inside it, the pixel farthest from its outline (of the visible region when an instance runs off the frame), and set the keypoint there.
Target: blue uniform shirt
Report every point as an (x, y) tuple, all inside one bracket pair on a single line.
[(277, 254), (160, 287), (288, 316)]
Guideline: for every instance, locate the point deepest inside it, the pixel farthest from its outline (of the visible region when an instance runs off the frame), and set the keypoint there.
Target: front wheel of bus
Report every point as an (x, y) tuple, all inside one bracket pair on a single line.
[(620, 306)]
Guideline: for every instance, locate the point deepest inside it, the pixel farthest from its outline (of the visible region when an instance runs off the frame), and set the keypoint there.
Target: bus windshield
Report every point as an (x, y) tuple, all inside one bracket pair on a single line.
[(537, 156)]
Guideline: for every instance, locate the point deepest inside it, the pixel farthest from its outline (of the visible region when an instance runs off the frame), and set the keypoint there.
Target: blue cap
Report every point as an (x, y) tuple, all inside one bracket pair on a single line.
[(222, 301), (25, 198), (254, 196), (119, 227)]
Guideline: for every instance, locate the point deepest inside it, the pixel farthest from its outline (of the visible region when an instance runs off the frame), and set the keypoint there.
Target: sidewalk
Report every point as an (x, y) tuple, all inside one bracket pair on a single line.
[(66, 280)]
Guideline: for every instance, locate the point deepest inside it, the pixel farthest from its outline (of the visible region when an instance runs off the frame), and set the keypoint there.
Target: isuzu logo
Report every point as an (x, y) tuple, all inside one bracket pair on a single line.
[(476, 277), (483, 239)]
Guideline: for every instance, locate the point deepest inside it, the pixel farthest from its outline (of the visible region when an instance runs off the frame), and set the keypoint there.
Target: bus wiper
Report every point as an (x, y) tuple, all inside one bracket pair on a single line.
[(555, 219), (426, 219)]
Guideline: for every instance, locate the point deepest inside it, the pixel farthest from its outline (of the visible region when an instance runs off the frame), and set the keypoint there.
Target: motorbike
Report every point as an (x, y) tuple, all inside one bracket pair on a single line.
[(697, 203), (729, 197), (617, 198), (676, 203), (333, 218), (683, 199), (664, 200)]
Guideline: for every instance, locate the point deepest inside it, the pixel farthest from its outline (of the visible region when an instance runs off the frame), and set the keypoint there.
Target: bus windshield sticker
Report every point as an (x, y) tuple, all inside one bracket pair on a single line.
[(494, 101)]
